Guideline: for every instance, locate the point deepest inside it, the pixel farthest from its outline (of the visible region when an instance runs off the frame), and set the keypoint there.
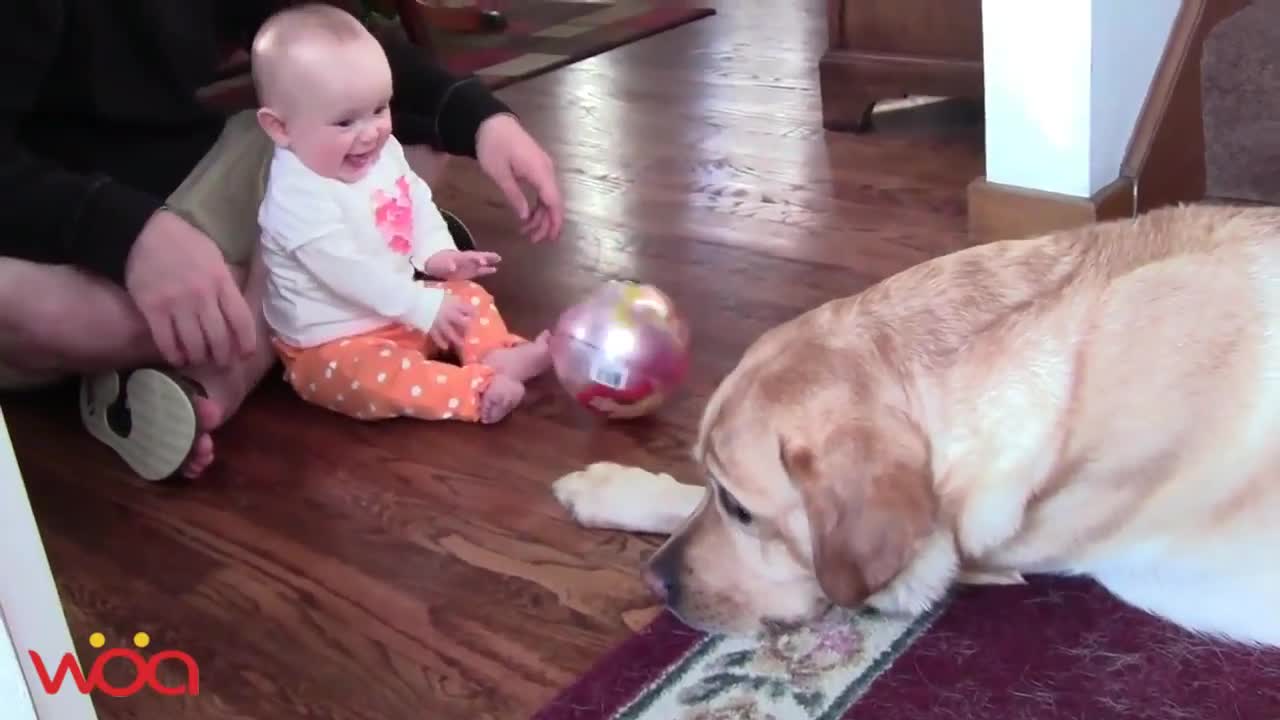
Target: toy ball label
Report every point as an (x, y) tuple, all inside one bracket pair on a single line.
[(608, 374)]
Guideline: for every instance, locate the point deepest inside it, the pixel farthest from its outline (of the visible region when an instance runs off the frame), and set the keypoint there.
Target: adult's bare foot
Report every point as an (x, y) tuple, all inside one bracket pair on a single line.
[(208, 417), (522, 362), (225, 390), (501, 397)]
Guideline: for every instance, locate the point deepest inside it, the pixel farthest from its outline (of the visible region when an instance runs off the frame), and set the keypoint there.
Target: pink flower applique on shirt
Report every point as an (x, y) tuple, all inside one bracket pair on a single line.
[(393, 216)]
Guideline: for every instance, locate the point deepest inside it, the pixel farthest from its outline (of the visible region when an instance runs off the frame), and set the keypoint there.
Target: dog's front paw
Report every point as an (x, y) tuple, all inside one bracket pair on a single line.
[(611, 496)]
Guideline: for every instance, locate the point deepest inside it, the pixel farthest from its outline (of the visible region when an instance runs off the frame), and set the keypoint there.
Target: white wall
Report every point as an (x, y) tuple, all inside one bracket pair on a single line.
[(1065, 81), (31, 609), (15, 697)]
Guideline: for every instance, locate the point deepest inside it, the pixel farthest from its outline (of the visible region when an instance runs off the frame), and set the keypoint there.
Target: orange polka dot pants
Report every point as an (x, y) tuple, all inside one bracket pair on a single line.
[(397, 372)]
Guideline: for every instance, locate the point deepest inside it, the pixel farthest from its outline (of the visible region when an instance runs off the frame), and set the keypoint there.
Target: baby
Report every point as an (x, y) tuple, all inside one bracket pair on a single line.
[(346, 222)]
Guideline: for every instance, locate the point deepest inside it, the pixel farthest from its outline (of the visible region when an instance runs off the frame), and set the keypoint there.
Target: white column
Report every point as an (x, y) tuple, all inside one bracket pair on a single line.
[(1065, 81), (32, 610)]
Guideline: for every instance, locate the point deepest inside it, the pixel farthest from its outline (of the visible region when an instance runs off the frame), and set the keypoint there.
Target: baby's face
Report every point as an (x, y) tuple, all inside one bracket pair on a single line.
[(339, 122)]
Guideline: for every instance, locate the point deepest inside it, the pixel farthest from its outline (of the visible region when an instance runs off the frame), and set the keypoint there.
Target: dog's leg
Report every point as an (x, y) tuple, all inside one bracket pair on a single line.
[(617, 497), (999, 481)]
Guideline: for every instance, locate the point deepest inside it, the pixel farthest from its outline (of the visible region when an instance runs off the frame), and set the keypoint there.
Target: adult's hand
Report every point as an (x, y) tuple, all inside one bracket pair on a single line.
[(510, 156), (180, 282)]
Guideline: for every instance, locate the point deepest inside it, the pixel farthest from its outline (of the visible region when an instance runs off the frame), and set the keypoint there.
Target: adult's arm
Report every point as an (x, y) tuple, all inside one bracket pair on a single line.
[(49, 213)]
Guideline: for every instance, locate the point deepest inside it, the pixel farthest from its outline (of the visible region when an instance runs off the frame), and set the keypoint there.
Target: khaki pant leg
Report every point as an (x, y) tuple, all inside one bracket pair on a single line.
[(222, 194)]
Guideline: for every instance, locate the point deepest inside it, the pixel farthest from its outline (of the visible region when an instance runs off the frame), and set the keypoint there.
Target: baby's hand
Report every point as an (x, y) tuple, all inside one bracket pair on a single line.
[(462, 265), (450, 327)]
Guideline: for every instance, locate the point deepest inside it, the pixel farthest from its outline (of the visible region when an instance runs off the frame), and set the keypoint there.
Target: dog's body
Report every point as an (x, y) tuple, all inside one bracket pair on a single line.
[(1102, 401)]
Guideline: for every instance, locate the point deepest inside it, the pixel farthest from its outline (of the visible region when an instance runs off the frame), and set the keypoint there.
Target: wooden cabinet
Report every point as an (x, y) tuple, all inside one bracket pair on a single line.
[(883, 49)]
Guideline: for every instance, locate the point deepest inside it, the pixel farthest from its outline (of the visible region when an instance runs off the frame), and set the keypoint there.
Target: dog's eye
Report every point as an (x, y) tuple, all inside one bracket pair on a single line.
[(734, 508)]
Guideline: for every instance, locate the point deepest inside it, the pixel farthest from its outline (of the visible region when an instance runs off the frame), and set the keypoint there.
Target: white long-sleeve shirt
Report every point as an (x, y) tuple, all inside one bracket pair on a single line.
[(340, 256)]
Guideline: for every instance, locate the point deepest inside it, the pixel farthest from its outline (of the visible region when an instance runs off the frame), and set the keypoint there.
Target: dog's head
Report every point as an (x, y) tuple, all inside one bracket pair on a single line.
[(819, 490)]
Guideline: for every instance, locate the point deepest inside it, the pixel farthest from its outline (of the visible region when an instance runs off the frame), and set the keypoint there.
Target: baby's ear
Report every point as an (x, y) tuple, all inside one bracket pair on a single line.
[(273, 125)]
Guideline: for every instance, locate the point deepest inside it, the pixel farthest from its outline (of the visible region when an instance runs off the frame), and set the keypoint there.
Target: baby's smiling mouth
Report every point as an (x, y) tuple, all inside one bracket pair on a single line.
[(361, 159)]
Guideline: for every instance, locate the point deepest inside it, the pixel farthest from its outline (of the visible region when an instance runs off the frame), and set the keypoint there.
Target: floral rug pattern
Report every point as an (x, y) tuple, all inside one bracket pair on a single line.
[(542, 35), (1052, 649), (806, 673)]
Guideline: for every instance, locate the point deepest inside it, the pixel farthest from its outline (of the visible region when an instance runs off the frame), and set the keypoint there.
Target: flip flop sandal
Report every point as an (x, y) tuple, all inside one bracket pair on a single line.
[(461, 235), (145, 416)]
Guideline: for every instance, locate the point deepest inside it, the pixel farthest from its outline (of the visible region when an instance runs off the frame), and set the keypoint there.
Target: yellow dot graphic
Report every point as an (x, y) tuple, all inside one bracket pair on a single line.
[(97, 639), (142, 639)]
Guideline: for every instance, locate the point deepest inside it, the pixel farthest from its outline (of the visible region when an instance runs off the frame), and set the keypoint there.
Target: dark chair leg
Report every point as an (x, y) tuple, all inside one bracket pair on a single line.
[(461, 235)]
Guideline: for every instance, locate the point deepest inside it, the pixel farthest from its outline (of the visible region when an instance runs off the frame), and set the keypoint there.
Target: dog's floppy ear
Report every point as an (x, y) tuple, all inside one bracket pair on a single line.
[(869, 498)]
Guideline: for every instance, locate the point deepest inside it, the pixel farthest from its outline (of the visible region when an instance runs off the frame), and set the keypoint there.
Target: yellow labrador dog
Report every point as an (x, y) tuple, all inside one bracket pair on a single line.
[(1103, 401)]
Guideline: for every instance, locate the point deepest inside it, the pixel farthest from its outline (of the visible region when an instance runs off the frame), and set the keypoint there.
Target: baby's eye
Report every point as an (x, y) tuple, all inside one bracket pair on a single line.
[(382, 109), (345, 123)]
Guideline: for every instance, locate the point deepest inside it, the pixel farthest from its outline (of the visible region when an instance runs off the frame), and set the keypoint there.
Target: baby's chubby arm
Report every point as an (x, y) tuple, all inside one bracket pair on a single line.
[(393, 295), (430, 233)]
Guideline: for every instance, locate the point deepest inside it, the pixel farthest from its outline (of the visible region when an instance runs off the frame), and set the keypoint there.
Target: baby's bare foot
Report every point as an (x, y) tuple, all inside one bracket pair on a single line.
[(500, 398), (522, 362)]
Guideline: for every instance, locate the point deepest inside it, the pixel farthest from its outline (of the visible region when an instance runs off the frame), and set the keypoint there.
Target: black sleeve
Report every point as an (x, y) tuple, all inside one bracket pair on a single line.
[(239, 20), (48, 213), (430, 105)]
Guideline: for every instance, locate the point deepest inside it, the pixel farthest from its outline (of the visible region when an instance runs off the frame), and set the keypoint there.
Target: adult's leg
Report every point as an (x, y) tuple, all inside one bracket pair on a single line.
[(224, 389), (58, 321), (221, 196)]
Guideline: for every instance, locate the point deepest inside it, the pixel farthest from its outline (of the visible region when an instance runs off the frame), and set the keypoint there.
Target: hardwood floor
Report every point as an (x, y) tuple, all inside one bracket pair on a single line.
[(328, 569)]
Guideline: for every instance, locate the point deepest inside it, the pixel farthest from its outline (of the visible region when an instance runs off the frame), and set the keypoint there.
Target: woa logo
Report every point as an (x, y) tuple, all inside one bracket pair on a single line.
[(146, 674)]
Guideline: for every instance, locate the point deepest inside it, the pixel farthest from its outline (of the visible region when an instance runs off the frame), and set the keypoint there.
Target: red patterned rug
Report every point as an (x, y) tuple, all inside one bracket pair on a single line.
[(542, 35), (1049, 650)]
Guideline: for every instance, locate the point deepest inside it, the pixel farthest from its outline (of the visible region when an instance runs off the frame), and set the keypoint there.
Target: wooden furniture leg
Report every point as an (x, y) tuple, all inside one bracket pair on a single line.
[(881, 49)]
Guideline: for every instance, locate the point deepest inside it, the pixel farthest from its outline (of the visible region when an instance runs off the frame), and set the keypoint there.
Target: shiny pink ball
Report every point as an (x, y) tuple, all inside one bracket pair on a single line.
[(621, 351)]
